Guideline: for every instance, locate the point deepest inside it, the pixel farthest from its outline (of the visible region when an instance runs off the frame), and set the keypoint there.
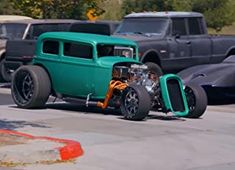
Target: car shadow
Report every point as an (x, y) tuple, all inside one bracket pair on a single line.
[(13, 125), (81, 108), (166, 117), (109, 111)]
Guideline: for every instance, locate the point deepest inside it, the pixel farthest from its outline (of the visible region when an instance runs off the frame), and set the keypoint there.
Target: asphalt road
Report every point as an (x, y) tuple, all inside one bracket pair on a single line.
[(161, 142)]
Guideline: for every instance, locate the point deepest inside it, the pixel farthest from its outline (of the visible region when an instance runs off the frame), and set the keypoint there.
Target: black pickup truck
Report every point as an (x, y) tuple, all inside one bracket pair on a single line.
[(172, 41), (22, 35)]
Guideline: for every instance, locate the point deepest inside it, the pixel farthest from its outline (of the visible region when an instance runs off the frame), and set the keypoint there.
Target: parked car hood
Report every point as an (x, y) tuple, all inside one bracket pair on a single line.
[(139, 37), (215, 75)]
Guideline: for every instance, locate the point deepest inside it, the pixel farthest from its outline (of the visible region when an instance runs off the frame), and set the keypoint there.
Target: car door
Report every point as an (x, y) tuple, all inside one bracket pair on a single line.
[(179, 45), (200, 41), (77, 69)]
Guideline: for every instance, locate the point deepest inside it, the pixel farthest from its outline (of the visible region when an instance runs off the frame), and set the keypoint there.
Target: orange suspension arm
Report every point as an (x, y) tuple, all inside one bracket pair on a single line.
[(112, 86)]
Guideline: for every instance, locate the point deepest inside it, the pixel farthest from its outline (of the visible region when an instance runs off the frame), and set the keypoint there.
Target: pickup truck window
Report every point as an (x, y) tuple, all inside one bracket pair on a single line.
[(37, 29), (78, 50), (12, 31), (51, 47), (178, 26), (150, 26), (195, 26)]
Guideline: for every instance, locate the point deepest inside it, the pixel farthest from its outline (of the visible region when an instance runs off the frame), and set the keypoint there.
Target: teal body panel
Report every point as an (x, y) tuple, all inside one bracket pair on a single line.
[(79, 77), (166, 96)]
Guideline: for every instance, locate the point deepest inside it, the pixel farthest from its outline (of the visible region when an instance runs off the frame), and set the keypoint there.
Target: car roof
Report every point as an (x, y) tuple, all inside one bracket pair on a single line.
[(43, 21), (5, 18), (166, 14), (86, 38)]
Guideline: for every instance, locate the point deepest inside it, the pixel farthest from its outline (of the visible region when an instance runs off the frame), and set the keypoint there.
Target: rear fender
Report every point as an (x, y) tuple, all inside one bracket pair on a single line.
[(173, 95)]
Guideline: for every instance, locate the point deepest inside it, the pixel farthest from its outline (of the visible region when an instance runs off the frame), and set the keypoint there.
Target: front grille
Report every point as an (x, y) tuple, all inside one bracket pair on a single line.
[(175, 95)]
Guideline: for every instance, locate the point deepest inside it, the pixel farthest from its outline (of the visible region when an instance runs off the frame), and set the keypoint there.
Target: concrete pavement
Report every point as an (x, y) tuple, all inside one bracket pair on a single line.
[(109, 142)]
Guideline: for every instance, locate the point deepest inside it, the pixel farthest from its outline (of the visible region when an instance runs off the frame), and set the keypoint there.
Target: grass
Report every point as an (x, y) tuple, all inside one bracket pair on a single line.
[(228, 30)]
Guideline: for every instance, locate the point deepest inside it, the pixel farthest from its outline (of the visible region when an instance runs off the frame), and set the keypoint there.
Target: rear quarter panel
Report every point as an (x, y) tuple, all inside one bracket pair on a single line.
[(221, 46)]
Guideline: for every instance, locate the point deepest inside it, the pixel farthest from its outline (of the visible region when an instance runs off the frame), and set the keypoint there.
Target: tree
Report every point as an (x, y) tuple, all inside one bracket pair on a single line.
[(74, 9), (130, 6), (218, 13), (6, 8)]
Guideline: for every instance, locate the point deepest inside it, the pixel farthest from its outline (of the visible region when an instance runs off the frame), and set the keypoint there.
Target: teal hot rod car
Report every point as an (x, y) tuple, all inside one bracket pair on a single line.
[(101, 71)]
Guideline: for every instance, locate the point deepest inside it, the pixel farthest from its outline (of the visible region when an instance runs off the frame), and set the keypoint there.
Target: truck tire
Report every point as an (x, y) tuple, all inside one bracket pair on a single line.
[(5, 74), (30, 87), (135, 103), (155, 69), (1, 78), (197, 100)]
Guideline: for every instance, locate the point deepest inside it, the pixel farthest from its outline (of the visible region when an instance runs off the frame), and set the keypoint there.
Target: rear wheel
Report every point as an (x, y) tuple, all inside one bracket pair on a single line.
[(197, 100), (30, 87), (136, 103)]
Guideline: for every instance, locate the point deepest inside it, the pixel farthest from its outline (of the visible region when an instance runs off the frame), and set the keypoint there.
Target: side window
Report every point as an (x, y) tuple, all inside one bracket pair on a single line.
[(194, 26), (51, 47), (178, 26), (78, 50)]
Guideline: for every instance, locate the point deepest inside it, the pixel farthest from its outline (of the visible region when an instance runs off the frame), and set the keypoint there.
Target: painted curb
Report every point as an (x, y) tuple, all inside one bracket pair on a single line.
[(70, 150)]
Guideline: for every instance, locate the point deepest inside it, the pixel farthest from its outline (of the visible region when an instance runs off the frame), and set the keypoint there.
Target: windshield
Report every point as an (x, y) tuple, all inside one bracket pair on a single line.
[(151, 26), (11, 31)]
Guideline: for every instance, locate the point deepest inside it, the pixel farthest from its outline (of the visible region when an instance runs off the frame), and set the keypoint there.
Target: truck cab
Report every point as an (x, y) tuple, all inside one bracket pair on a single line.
[(172, 41)]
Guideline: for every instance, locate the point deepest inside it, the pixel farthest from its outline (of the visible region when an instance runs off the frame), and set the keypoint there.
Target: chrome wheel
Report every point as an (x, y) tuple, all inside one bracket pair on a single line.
[(27, 87), (23, 87), (135, 102), (131, 102)]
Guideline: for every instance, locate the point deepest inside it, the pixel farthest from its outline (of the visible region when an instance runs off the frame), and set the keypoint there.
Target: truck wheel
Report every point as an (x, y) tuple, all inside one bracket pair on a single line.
[(155, 70), (135, 103), (197, 100), (5, 73), (30, 87)]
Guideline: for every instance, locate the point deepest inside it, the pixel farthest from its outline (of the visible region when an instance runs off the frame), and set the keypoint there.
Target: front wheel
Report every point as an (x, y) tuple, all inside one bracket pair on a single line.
[(197, 100), (135, 103), (30, 87)]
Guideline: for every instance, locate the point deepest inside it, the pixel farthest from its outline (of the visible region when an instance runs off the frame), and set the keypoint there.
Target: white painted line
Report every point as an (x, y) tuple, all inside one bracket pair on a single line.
[(5, 91)]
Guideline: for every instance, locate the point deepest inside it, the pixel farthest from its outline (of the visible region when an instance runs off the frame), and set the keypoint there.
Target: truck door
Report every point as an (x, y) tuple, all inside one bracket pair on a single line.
[(200, 41), (179, 45)]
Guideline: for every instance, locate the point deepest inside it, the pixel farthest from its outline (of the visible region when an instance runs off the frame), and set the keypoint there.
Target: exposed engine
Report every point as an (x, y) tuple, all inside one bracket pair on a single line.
[(140, 75)]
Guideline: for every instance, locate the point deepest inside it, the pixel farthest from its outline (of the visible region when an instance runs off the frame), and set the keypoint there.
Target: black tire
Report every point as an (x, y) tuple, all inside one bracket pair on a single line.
[(1, 78), (5, 73), (197, 100), (139, 104), (155, 69), (30, 87)]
